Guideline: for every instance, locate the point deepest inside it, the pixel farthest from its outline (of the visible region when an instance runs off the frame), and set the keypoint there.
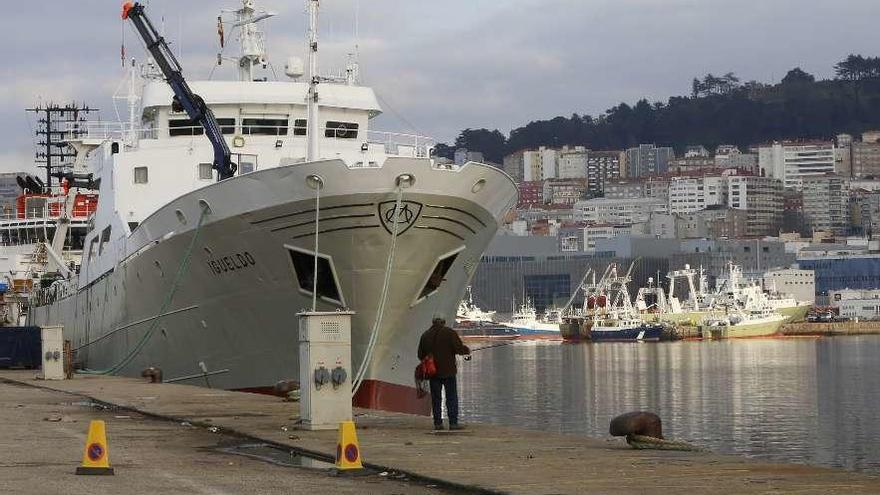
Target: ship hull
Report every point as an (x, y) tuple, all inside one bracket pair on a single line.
[(795, 313), (645, 332), (691, 318), (748, 330), (576, 329), (231, 321)]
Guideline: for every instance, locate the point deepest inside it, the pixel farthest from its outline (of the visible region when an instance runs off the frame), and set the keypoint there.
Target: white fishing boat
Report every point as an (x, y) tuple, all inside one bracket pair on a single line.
[(224, 214), (470, 314), (742, 323), (526, 321)]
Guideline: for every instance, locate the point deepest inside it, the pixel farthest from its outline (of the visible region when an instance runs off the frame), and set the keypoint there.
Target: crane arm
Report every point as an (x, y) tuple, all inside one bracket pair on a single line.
[(184, 97)]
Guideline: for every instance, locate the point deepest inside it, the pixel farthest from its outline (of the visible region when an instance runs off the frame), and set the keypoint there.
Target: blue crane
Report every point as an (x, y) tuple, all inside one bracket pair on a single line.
[(184, 98)]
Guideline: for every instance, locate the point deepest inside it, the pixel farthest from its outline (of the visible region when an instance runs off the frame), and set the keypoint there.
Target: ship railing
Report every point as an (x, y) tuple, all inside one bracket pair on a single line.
[(400, 144), (378, 142)]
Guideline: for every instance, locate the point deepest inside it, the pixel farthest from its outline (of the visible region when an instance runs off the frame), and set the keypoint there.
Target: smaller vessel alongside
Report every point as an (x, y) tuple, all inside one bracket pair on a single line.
[(756, 322)]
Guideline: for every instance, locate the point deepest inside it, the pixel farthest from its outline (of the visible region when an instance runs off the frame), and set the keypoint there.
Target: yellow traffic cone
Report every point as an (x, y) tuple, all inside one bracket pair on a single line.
[(96, 457), (348, 451)]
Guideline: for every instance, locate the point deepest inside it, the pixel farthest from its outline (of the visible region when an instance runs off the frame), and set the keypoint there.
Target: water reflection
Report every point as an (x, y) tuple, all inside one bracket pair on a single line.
[(801, 400)]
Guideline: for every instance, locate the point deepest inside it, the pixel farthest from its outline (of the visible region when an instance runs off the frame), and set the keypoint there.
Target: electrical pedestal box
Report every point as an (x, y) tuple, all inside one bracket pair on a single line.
[(325, 371), (53, 353)]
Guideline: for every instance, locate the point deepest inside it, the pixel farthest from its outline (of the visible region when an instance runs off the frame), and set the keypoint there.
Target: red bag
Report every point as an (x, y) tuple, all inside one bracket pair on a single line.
[(427, 368)]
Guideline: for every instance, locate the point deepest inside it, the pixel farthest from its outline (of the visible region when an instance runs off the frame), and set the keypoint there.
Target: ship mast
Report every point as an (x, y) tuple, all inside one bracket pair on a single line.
[(250, 38), (312, 98)]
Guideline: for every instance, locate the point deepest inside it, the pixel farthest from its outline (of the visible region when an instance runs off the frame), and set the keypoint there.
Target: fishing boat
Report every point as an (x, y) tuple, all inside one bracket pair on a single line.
[(228, 206), (624, 327), (742, 323), (469, 313), (621, 320), (526, 321)]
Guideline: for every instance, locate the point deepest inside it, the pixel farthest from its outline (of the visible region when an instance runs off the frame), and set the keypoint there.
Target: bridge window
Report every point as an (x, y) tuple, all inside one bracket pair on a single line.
[(141, 175), (300, 127), (341, 130), (184, 127), (206, 171), (227, 126), (264, 127)]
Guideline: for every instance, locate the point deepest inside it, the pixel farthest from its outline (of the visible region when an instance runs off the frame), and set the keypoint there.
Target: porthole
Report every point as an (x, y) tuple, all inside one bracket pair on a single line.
[(478, 186)]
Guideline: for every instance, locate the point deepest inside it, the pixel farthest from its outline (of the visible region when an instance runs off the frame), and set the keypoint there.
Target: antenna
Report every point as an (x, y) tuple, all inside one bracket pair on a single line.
[(55, 123)]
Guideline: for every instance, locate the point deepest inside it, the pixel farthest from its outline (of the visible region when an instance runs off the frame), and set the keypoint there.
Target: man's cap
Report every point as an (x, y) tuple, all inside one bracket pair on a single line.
[(438, 316)]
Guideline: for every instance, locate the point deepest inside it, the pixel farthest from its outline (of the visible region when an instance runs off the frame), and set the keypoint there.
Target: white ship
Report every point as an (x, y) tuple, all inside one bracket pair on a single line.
[(742, 323), (470, 314), (526, 320), (203, 277)]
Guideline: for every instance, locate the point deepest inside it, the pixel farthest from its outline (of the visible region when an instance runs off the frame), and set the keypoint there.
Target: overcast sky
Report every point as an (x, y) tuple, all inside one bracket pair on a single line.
[(439, 67)]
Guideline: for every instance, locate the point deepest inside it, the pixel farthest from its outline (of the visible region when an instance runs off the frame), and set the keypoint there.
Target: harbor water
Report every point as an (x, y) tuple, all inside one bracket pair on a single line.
[(803, 400)]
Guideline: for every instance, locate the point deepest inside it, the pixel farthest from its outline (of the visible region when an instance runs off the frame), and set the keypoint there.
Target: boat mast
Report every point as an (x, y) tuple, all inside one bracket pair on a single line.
[(312, 98), (250, 38)]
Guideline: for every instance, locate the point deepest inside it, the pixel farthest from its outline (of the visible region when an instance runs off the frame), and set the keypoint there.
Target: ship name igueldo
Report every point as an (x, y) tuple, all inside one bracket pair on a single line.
[(237, 261)]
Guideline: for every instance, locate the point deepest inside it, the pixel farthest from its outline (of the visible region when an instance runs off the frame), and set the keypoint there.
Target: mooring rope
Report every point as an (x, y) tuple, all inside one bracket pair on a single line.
[(644, 442), (181, 270), (380, 312)]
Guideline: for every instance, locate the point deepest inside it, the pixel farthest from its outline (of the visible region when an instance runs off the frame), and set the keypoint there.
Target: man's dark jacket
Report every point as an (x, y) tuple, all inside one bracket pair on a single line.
[(443, 343)]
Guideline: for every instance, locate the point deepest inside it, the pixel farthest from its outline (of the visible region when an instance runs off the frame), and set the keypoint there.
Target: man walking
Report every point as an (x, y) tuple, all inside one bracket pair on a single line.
[(443, 343)]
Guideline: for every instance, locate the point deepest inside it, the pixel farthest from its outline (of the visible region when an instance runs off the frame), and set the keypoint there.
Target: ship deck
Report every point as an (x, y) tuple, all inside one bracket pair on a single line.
[(483, 459)]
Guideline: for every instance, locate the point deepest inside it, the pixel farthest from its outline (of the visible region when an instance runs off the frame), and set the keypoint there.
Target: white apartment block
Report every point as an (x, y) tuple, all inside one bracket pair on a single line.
[(572, 162), (691, 194), (532, 166), (826, 204), (761, 198), (792, 162), (618, 211), (549, 163)]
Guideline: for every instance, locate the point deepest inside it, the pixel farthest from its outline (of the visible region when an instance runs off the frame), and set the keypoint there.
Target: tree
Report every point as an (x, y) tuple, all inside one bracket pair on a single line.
[(798, 75), (490, 143)]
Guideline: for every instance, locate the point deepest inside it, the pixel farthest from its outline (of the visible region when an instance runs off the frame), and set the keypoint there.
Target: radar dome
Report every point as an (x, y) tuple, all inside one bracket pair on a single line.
[(294, 68)]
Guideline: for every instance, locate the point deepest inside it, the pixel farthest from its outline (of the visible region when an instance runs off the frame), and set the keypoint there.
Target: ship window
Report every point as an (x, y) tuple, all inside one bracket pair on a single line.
[(341, 130), (265, 127), (105, 238), (184, 127), (227, 126), (304, 269), (141, 175), (93, 248), (246, 163), (437, 276), (300, 127), (206, 171), (246, 166)]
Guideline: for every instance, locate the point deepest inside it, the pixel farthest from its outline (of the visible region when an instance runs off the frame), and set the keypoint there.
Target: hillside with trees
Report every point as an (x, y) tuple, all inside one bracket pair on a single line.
[(719, 110)]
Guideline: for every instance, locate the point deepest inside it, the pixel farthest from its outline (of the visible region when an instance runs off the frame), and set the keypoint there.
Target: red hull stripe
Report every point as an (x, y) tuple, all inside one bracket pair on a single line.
[(374, 394)]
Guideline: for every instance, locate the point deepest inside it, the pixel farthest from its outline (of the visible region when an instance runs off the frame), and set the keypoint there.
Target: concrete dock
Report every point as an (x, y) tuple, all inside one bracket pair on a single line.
[(484, 459)]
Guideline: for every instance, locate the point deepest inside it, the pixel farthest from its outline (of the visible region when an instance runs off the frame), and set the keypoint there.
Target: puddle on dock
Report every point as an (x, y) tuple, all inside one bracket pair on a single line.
[(276, 455)]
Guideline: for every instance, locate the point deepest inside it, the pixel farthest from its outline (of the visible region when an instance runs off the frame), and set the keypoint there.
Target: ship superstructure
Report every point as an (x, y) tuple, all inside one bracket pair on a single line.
[(201, 273)]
